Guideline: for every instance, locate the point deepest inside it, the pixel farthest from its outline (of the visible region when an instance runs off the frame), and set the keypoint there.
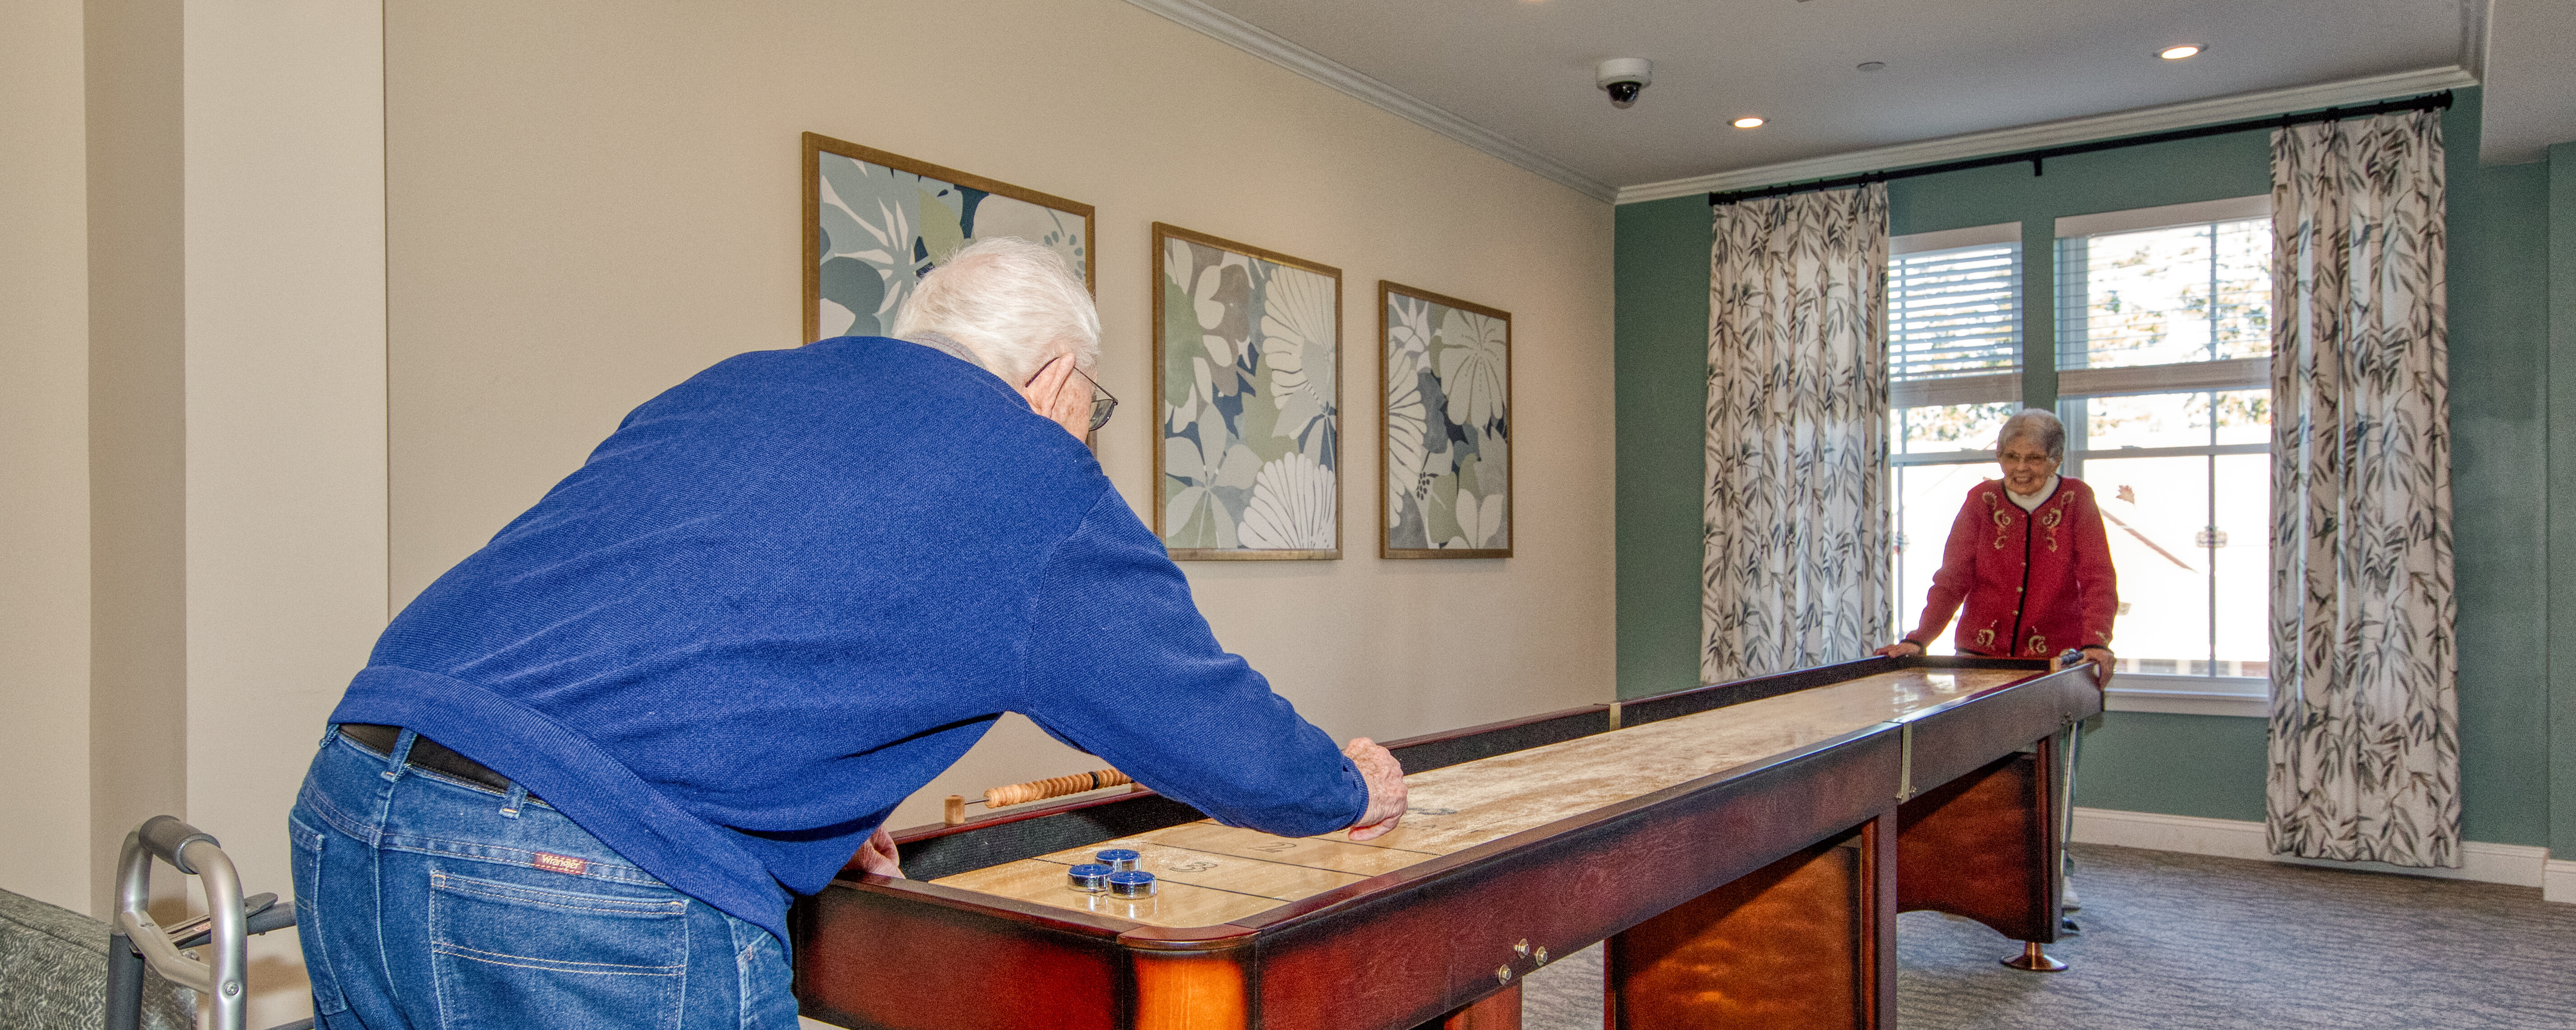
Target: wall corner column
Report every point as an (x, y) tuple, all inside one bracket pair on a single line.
[(284, 390), (2560, 879), (44, 469), (137, 426)]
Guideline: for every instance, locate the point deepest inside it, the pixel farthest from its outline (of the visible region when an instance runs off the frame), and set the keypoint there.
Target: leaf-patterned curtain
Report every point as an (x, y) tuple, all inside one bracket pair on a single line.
[(2365, 746), (1794, 568)]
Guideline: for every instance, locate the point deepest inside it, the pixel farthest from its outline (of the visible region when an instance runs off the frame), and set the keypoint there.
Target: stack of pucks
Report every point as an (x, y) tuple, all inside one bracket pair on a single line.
[(1089, 878), (1119, 859), (1131, 884)]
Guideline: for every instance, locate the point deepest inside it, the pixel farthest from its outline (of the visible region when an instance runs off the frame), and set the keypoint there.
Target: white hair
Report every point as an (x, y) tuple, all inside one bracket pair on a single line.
[(1012, 302), (2036, 422)]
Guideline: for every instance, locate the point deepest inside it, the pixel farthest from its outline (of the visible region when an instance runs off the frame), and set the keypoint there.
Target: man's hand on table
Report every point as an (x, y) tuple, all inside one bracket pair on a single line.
[(1900, 649), (1385, 779), (877, 855)]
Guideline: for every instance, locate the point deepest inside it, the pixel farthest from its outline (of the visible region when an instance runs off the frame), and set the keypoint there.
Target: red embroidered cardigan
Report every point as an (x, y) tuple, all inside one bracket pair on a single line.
[(2056, 556)]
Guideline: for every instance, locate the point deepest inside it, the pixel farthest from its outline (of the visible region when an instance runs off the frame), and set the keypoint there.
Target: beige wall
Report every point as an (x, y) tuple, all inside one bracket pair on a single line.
[(589, 201), (44, 456), (192, 424)]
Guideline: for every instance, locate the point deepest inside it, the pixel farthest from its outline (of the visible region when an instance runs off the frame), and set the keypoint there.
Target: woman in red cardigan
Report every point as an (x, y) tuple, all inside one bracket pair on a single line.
[(2027, 557)]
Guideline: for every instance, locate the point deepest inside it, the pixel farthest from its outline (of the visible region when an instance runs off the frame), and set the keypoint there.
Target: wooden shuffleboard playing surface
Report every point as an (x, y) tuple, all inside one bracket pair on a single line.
[(1758, 838), (1211, 874)]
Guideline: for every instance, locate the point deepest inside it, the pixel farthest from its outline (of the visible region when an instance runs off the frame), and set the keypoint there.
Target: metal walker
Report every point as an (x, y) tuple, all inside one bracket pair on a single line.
[(134, 940)]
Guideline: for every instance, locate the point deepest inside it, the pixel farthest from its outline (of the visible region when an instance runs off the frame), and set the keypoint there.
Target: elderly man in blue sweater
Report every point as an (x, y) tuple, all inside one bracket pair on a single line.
[(582, 772)]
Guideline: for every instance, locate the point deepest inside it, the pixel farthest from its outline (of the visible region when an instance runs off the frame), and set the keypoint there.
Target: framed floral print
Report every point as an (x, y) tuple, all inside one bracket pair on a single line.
[(1247, 385), (1447, 434), (875, 223)]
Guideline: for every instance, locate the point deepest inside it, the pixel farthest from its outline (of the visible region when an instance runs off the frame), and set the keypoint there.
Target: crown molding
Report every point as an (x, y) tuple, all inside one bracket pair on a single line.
[(2072, 130), (1264, 44), (2474, 35)]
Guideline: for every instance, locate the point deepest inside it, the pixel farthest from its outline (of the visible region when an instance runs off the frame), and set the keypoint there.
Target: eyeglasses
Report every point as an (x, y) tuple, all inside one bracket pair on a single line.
[(1102, 404)]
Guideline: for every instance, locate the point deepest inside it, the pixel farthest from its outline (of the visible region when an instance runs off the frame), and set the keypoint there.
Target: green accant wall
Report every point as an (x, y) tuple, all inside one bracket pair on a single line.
[(2501, 289), (1660, 359), (2499, 317)]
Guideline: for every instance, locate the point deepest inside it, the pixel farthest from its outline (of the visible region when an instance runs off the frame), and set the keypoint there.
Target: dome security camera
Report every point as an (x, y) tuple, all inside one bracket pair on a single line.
[(1623, 78)]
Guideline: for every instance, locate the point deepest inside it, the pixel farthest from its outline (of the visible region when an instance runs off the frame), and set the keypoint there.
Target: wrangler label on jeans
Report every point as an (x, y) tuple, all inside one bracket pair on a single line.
[(562, 863)]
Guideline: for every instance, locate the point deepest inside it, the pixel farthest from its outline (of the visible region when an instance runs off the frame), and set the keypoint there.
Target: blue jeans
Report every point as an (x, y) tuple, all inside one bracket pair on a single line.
[(429, 903)]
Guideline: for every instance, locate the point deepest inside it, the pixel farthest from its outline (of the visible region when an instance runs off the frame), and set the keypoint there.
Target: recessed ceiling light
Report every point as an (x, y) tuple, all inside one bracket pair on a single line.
[(1871, 66), (1748, 122), (2176, 53)]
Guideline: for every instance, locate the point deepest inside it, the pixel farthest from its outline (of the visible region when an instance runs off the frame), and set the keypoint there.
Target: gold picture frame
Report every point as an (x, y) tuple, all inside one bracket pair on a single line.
[(1439, 359), (888, 239), (1247, 442)]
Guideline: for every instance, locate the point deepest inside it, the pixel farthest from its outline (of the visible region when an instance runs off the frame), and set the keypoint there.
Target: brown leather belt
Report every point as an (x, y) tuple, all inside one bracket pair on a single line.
[(426, 754)]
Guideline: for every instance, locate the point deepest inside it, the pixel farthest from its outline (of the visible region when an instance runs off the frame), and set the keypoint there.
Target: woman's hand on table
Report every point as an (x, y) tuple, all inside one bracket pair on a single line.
[(1901, 649), (2101, 659)]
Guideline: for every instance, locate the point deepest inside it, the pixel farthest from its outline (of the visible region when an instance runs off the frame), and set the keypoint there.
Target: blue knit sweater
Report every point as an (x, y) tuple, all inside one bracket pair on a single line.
[(789, 591)]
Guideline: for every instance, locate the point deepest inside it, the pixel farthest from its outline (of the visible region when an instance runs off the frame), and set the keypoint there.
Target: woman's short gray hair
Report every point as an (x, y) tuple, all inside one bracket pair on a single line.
[(1012, 302), (2036, 422)]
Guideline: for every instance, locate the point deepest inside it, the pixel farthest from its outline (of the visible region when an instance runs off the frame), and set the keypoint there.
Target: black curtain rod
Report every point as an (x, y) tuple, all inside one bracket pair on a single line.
[(2428, 102)]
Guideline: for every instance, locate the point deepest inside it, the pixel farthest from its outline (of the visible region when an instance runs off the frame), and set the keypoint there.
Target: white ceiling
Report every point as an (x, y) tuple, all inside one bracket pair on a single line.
[(1523, 69)]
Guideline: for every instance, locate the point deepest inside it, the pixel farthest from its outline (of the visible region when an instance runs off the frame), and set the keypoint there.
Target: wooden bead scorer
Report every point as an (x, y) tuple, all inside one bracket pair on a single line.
[(1037, 790)]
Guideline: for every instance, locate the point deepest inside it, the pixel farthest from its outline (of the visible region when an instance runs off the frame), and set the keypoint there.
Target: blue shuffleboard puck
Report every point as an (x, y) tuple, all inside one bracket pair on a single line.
[(1088, 878), (1118, 858), (1131, 884)]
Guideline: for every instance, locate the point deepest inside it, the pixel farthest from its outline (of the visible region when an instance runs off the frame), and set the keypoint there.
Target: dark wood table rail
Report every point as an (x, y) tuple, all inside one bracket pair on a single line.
[(1761, 896)]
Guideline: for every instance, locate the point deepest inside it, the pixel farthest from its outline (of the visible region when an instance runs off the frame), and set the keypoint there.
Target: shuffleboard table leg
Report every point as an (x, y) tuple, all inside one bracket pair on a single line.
[(1499, 1011), (1184, 991), (1988, 846), (1804, 942), (2034, 958)]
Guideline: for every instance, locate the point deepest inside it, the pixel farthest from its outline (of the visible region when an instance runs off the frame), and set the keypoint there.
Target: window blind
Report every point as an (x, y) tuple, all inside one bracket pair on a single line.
[(1954, 325)]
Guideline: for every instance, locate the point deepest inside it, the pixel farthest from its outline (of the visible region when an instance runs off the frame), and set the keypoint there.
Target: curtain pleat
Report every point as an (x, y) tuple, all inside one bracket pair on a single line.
[(2364, 752), (1794, 569)]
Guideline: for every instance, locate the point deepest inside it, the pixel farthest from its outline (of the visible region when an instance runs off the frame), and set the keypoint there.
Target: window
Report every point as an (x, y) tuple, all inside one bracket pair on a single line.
[(2164, 382), (1954, 347)]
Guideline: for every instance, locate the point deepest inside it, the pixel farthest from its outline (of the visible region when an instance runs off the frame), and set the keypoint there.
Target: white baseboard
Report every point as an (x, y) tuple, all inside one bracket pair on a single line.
[(2514, 864), (2559, 881)]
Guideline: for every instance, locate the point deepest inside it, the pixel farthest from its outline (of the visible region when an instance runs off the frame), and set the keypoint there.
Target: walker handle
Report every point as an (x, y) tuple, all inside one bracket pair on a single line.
[(220, 983), (167, 839)]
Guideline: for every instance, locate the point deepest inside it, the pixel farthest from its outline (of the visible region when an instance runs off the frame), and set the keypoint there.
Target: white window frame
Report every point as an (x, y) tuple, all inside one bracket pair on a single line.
[(2244, 696), (2189, 695), (1995, 388)]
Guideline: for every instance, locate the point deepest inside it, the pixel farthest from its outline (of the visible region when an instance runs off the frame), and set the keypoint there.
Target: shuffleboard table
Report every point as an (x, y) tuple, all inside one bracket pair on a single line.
[(1743, 847)]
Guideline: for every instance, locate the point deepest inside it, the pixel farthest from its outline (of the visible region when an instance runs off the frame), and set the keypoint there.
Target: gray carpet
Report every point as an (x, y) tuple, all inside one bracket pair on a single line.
[(2183, 942)]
